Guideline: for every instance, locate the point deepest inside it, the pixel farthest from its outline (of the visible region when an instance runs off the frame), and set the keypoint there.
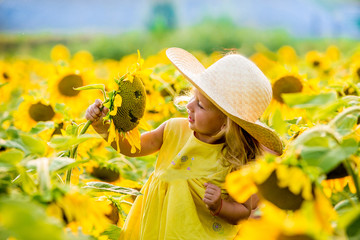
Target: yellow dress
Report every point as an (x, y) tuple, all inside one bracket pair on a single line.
[(171, 207)]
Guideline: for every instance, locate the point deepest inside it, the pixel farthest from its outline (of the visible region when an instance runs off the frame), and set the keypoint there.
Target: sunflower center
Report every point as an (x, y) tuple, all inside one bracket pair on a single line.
[(358, 72), (69, 82), (287, 84), (316, 63), (281, 197), (6, 76), (133, 105), (41, 112), (294, 237)]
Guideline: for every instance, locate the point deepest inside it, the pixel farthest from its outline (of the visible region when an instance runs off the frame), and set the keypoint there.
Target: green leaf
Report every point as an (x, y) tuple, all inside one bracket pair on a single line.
[(312, 154), (107, 187), (63, 110), (113, 232), (11, 156), (3, 84), (42, 168), (346, 126), (60, 163), (303, 100), (41, 126), (345, 205), (34, 144), (12, 144), (328, 158), (72, 130), (277, 122), (326, 134), (346, 120), (27, 220), (66, 142), (350, 222), (92, 86)]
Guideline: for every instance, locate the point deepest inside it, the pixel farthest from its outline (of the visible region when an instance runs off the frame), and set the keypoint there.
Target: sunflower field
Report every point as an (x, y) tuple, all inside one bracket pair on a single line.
[(60, 180)]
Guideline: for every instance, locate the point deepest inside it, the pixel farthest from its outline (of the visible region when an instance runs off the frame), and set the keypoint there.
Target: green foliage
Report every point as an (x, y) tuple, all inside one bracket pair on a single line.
[(211, 34), (23, 219), (107, 187), (302, 100)]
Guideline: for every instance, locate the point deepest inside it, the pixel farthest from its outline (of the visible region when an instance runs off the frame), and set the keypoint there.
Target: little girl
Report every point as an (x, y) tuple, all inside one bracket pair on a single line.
[(184, 198)]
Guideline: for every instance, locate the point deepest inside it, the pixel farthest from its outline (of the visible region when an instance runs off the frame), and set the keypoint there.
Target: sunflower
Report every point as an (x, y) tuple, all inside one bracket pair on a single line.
[(35, 109), (312, 221), (333, 53), (61, 88), (285, 186), (335, 185), (287, 55), (285, 82), (320, 64), (9, 81), (355, 71), (82, 60), (83, 212), (127, 107), (60, 53), (263, 62)]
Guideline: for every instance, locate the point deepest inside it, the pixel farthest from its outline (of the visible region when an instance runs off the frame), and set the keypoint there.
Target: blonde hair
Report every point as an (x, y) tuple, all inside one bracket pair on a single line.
[(239, 148)]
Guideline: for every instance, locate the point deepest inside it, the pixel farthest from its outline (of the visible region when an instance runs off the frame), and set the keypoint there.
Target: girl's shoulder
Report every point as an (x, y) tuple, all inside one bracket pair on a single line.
[(176, 127), (176, 123)]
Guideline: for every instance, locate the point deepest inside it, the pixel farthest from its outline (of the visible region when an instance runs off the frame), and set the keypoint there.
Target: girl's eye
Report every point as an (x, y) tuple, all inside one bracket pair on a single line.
[(198, 103)]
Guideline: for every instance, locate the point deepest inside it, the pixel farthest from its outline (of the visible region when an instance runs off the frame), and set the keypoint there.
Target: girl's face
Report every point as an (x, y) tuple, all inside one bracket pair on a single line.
[(205, 119)]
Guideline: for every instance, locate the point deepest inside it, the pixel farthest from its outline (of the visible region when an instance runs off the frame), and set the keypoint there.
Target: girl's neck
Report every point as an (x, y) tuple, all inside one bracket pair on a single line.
[(208, 139)]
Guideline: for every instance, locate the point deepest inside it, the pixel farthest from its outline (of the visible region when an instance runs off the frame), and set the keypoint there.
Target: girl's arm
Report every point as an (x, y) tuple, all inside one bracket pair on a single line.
[(229, 210), (150, 141)]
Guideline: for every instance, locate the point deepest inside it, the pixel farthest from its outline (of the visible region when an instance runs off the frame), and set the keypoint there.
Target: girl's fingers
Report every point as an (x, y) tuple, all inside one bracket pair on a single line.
[(98, 102), (97, 111), (210, 191), (94, 117), (94, 113)]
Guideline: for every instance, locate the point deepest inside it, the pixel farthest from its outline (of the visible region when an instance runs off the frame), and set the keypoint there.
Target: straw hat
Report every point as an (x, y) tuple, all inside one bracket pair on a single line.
[(236, 86)]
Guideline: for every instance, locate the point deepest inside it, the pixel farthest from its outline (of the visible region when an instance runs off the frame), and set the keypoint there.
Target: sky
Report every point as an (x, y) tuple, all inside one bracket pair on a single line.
[(302, 18)]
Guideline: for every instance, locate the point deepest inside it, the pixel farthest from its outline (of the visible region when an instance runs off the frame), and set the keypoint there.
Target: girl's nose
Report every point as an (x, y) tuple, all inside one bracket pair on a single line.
[(189, 106)]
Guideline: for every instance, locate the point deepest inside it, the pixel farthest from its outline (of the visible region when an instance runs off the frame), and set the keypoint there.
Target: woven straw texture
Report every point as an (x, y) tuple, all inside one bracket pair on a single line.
[(236, 86)]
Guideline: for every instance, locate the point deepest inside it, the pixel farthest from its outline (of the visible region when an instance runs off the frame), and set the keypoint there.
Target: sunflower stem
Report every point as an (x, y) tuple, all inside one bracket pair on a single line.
[(73, 152), (83, 130), (68, 176), (354, 176)]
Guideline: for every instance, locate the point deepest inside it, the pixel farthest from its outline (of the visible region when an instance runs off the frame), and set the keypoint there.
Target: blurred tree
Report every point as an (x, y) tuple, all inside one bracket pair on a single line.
[(162, 17)]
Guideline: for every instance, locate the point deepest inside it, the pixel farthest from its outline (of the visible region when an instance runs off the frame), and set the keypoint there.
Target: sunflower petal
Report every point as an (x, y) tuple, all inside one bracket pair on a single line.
[(118, 100), (112, 133), (240, 192), (144, 125), (129, 78), (133, 138), (117, 137), (113, 112)]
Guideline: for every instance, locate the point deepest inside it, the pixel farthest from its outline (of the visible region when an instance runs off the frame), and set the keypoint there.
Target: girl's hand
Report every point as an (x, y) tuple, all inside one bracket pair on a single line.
[(94, 113), (212, 197)]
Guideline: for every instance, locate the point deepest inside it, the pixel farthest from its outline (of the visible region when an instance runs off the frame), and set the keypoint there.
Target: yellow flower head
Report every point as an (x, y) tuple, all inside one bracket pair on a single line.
[(285, 186), (127, 106), (83, 212), (60, 52), (32, 110)]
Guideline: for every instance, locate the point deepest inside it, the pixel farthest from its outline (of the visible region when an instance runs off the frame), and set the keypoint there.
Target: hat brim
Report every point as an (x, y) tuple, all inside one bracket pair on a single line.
[(191, 68)]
